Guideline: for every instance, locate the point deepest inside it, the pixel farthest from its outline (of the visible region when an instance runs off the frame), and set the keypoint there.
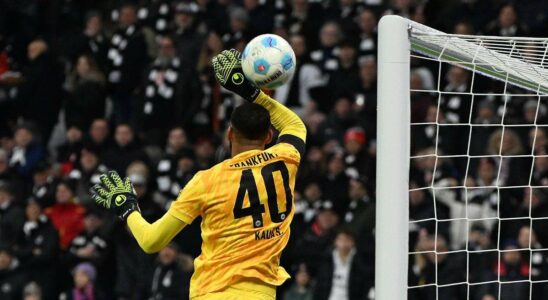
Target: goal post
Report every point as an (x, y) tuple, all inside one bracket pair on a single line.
[(520, 65), (393, 146)]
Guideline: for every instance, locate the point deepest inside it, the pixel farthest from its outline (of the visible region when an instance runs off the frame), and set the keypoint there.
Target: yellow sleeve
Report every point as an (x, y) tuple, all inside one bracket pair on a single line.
[(282, 118), (190, 201), (154, 237)]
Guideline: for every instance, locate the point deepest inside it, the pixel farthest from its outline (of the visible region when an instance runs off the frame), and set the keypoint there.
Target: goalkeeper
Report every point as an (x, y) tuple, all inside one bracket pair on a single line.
[(246, 202)]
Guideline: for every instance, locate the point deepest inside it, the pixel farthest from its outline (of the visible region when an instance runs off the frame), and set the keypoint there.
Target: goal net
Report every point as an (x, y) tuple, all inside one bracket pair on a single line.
[(462, 168)]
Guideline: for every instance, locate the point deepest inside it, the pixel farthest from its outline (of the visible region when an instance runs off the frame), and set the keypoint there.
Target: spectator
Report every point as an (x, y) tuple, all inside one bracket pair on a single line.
[(151, 203), (170, 280), (540, 170), (260, 17), (66, 214), (37, 250), (169, 169), (302, 288), (507, 23), (87, 172), (439, 267), (420, 207), (455, 105), (84, 287), (325, 57), (27, 151), (68, 153), (213, 45), (158, 16), (308, 206), (485, 115), (366, 97), (238, 31), (86, 94), (534, 203), (8, 176), (304, 18), (512, 267), (126, 149), (204, 153), (527, 239), (90, 245), (39, 97), (12, 278), (310, 247), (127, 58), (99, 136), (344, 80), (480, 262), (296, 93), (367, 21), (43, 188), (160, 106), (404, 8), (92, 42), (12, 217), (189, 33), (337, 181), (360, 216), (357, 161), (507, 143), (342, 275), (463, 28), (340, 119), (32, 291), (537, 141)]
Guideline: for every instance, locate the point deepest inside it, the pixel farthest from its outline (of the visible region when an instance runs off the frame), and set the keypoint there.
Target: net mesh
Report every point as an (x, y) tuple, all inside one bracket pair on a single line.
[(479, 167)]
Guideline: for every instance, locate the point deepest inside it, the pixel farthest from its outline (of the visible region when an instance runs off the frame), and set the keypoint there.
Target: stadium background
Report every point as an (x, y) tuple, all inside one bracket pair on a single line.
[(88, 86)]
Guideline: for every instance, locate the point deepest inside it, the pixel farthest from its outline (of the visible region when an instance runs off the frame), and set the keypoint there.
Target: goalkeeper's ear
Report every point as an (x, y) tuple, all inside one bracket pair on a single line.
[(269, 136)]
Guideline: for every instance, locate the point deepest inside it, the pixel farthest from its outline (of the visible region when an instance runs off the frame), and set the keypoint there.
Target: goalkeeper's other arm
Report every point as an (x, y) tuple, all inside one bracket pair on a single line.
[(119, 196)]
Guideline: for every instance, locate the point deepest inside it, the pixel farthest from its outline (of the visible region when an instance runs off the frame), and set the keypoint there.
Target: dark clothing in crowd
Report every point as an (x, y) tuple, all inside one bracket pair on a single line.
[(12, 218), (39, 97), (357, 284), (37, 250), (118, 157), (12, 281), (168, 282), (85, 103)]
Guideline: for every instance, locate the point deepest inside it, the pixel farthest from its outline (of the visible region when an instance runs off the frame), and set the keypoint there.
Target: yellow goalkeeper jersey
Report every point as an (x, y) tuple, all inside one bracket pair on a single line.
[(246, 205)]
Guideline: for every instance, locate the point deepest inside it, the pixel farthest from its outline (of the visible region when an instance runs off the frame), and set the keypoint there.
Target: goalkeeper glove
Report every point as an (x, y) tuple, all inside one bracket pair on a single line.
[(228, 71), (115, 194)]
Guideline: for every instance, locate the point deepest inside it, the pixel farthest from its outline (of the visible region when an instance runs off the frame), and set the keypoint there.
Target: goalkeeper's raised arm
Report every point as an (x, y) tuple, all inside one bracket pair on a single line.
[(228, 71)]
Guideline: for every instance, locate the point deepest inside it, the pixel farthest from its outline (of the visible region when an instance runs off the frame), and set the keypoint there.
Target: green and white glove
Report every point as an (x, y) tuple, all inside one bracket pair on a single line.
[(227, 66), (114, 194)]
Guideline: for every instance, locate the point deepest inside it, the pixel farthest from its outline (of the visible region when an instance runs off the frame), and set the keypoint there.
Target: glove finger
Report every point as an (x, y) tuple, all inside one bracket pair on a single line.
[(128, 186), (224, 60), (114, 177), (236, 54), (99, 190), (217, 68), (96, 196), (107, 183), (215, 63)]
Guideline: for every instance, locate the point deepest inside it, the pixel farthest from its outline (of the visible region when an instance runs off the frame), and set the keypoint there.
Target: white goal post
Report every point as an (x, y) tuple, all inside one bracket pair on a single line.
[(513, 61)]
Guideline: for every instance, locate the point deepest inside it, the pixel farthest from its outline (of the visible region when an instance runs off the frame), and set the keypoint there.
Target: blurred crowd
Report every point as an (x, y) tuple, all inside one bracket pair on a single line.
[(89, 86)]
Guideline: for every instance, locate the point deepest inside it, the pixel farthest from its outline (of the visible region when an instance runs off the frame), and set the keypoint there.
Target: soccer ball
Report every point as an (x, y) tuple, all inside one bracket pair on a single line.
[(269, 61)]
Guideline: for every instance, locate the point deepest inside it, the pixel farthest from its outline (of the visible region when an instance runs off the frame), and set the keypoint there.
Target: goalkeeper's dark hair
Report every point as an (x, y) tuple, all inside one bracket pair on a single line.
[(251, 121)]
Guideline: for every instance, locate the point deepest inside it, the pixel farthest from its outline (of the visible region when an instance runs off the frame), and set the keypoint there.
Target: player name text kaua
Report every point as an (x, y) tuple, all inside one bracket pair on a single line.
[(268, 234), (255, 160)]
